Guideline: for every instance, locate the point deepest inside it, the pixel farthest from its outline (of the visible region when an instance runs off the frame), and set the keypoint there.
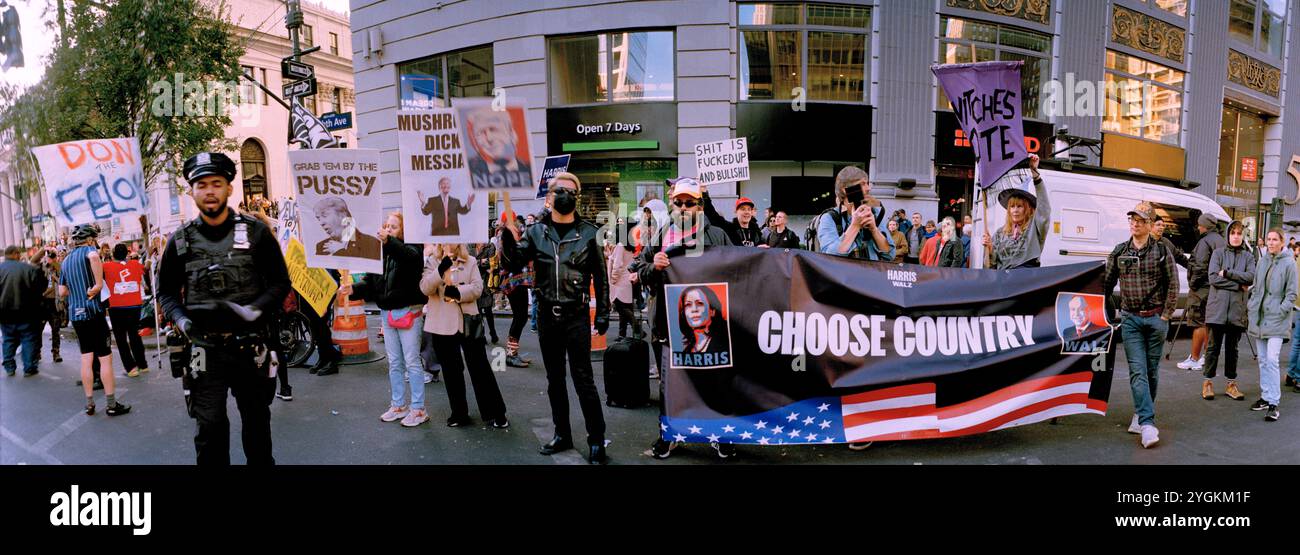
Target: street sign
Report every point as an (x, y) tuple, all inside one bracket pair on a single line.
[(38, 218), (297, 70), (306, 87), (335, 122)]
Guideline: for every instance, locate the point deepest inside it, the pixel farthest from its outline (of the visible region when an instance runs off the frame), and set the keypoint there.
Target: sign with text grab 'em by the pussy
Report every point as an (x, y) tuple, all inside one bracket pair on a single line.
[(987, 100), (340, 209), (824, 349), (93, 180)]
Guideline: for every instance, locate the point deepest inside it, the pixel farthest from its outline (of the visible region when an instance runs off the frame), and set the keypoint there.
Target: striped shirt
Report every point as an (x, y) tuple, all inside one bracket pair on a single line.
[(78, 279)]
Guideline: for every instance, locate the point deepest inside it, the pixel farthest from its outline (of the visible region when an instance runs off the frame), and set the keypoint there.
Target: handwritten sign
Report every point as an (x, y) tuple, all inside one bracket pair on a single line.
[(314, 284), (986, 98), (722, 161), (93, 180)]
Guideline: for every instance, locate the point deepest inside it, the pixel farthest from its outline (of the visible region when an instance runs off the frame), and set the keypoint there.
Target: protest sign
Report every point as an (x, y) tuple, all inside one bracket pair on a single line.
[(93, 180), (553, 165), (314, 284), (824, 349), (722, 161), (986, 98), (496, 145), (438, 203), (338, 193)]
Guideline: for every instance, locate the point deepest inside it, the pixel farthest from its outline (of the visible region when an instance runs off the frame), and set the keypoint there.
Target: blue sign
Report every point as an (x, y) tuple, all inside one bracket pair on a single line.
[(554, 165), (335, 122), (38, 218)]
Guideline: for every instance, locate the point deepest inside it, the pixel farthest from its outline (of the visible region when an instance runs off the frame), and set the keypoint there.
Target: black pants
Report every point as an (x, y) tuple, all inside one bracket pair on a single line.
[(485, 308), (449, 349), (1221, 334), (50, 315), (568, 334), (625, 317), (126, 332), (234, 370), (321, 333), (518, 311), (427, 355)]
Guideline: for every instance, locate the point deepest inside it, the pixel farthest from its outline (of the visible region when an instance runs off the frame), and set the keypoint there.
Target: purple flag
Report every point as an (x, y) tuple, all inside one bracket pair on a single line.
[(986, 98)]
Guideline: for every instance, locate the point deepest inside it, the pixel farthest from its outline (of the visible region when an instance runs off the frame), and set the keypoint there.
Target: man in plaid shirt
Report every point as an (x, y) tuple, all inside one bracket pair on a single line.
[(1148, 290)]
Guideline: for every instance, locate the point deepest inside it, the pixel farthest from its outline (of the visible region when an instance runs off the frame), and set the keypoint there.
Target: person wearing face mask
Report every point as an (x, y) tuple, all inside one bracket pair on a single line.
[(1231, 273), (568, 260), (687, 230), (1269, 315)]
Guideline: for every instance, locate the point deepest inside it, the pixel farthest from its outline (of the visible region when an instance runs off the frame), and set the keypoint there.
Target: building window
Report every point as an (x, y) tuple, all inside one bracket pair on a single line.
[(338, 100), (612, 67), (1259, 23), (307, 41), (1143, 99), (1241, 152), (334, 44), (309, 102), (1176, 7), (820, 48), (962, 41), (252, 159), (431, 81), (263, 82), (248, 91)]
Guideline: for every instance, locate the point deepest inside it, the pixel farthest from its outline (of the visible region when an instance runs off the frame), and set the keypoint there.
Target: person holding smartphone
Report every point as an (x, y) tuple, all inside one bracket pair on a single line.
[(851, 228)]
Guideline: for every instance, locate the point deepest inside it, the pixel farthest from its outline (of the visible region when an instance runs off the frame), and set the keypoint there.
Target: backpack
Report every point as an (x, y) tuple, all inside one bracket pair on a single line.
[(810, 234)]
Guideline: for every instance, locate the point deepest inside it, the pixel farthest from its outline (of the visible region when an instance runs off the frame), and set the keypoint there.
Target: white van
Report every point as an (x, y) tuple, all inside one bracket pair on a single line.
[(1090, 215)]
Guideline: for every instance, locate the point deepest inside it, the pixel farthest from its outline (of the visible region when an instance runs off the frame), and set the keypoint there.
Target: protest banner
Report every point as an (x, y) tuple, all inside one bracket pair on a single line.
[(722, 161), (986, 98), (438, 203), (824, 349), (338, 190), (314, 284), (496, 145), (553, 165), (93, 180)]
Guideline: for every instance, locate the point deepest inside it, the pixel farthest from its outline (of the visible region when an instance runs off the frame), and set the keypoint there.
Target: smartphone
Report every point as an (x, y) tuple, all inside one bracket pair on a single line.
[(855, 194)]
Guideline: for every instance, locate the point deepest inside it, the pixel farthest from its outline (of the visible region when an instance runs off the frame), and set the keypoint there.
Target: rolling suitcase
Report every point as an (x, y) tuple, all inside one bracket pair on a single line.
[(627, 373)]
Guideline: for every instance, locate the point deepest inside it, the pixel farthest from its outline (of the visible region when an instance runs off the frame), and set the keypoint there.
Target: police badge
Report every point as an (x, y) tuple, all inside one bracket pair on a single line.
[(241, 236)]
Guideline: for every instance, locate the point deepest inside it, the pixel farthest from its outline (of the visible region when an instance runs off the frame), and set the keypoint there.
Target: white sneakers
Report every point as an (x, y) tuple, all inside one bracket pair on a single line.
[(394, 414), (415, 418), (1150, 435), (1134, 427), (1191, 364)]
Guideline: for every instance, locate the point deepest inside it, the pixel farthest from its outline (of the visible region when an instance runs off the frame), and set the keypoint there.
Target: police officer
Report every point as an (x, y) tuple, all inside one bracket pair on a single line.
[(221, 279), (568, 258)]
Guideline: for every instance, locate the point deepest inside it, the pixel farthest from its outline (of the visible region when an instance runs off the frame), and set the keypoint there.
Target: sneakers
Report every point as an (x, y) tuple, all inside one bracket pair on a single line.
[(654, 373), (1134, 427), (1150, 436), (394, 414), (133, 373), (415, 418), (1233, 392), (723, 450), (1192, 364), (118, 409), (1259, 405), (30, 373), (1207, 390), (285, 394), (1272, 414), (514, 361), (860, 445)]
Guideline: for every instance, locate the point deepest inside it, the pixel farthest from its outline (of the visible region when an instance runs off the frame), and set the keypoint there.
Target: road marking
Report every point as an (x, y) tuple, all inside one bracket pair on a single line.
[(12, 437), (542, 429), (62, 432)]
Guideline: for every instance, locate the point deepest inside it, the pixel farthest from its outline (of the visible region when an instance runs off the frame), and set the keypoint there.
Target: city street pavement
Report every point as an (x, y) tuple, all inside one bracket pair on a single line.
[(335, 420)]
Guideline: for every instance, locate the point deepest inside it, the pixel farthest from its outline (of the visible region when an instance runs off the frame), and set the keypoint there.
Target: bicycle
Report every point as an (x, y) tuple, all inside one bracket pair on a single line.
[(292, 331)]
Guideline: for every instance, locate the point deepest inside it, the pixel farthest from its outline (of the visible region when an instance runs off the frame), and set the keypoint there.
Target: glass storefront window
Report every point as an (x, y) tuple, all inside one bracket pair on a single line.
[(1143, 99), (1241, 20), (643, 66), (577, 70), (430, 82), (1178, 7), (1272, 27), (826, 56), (1241, 137), (964, 41), (621, 186), (769, 64), (617, 67)]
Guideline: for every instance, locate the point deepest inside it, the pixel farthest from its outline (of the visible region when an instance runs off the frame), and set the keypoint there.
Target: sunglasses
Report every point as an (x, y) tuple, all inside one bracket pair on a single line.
[(685, 203)]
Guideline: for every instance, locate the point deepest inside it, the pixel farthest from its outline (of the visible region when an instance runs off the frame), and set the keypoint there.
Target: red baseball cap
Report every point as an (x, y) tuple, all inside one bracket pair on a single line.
[(744, 200)]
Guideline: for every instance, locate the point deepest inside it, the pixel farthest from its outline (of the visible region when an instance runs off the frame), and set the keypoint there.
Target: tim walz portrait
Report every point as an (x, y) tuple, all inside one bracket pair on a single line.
[(1081, 333)]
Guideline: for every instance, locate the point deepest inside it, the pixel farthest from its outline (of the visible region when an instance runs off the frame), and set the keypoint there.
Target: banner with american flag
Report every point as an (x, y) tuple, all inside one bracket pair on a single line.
[(823, 349)]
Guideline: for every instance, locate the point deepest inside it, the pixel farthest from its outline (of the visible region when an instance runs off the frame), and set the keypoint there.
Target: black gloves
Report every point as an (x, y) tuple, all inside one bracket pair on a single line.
[(185, 325), (444, 265), (602, 325), (451, 292)]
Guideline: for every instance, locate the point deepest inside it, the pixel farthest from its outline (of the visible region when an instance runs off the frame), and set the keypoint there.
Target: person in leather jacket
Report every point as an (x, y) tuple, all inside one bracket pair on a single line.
[(567, 258)]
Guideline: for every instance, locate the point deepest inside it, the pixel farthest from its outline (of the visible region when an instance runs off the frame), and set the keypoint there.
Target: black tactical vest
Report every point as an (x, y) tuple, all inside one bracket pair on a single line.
[(219, 270)]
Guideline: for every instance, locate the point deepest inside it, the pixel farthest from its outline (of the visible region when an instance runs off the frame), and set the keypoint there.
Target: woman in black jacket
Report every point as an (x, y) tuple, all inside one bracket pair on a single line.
[(401, 304), (951, 252)]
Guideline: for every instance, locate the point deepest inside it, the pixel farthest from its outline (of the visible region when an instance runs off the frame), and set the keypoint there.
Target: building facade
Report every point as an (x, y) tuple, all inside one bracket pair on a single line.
[(1191, 90)]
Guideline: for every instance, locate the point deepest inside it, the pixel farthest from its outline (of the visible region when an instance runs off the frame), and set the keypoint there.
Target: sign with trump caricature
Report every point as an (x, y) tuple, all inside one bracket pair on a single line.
[(495, 139), (339, 201), (698, 333), (1082, 324)]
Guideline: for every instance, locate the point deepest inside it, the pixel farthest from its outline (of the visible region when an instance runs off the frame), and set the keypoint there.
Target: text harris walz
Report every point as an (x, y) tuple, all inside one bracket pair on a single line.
[(999, 105), (794, 333)]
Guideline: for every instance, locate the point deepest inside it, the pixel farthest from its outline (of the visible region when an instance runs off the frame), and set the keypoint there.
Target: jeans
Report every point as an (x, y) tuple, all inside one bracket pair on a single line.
[(1293, 366), (1269, 373), (404, 365), (449, 348), (126, 331), (1144, 340), (569, 335), (26, 334), (1221, 334)]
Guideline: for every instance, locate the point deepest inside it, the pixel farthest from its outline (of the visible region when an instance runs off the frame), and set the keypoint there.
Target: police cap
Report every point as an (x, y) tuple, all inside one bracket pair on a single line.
[(204, 164)]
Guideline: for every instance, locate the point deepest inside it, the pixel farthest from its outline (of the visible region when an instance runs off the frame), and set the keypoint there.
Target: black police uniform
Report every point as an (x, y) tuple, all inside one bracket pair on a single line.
[(566, 263), (240, 262)]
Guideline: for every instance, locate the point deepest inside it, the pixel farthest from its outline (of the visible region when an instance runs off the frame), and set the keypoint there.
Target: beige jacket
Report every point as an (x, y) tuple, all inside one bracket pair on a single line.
[(620, 280), (447, 318)]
